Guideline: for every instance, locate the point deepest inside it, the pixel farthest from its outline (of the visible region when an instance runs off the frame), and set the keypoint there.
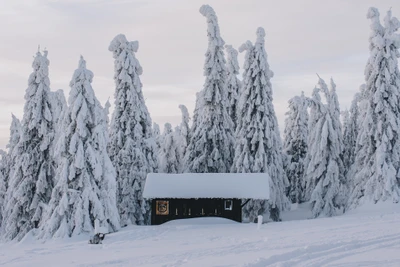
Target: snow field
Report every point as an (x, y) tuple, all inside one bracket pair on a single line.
[(367, 237)]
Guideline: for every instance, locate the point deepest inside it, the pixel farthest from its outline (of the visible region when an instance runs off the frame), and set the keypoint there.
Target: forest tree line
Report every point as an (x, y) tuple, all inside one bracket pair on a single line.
[(68, 165)]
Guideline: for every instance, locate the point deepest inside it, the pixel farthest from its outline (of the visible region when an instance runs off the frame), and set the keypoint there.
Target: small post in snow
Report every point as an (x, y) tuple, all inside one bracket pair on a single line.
[(259, 221)]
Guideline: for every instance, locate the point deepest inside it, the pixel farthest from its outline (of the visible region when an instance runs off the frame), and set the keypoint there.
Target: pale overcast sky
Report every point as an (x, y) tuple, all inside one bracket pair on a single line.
[(303, 38)]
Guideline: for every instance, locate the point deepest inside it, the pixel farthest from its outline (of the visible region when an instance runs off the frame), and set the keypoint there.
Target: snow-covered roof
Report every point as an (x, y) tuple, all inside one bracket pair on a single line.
[(207, 185)]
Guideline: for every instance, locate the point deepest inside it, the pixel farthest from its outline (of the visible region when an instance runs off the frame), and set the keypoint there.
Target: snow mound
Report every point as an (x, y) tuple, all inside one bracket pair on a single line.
[(200, 221)]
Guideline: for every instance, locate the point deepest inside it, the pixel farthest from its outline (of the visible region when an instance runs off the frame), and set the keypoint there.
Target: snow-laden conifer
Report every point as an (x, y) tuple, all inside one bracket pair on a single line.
[(211, 145), (377, 160), (157, 136), (345, 115), (334, 106), (183, 136), (196, 112), (59, 105), (107, 106), (13, 148), (132, 148), (7, 162), (3, 181), (86, 187), (258, 143), (233, 83), (316, 112), (363, 107), (30, 185), (168, 161), (295, 145), (350, 132), (324, 171)]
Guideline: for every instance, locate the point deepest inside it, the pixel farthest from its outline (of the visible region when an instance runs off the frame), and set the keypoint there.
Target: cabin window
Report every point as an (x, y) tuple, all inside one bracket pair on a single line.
[(228, 204), (162, 207)]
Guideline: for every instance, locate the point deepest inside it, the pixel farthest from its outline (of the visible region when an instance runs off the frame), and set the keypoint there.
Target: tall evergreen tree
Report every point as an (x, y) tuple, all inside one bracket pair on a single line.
[(196, 113), (233, 85), (337, 126), (169, 155), (377, 160), (157, 136), (363, 107), (13, 148), (316, 111), (183, 136), (295, 145), (258, 143), (32, 181), (107, 113), (210, 148), (132, 148), (350, 133), (3, 182), (7, 161), (324, 171), (346, 124), (58, 107), (86, 188)]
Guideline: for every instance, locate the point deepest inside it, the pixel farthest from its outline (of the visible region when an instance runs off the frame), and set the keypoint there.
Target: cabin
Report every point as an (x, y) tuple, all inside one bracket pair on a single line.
[(191, 195)]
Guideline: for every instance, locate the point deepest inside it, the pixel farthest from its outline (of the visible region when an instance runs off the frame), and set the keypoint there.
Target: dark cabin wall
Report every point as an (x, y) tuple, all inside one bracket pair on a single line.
[(194, 208)]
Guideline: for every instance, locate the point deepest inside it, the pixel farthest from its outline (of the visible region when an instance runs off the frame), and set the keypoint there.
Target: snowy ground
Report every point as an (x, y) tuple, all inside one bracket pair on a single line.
[(367, 237)]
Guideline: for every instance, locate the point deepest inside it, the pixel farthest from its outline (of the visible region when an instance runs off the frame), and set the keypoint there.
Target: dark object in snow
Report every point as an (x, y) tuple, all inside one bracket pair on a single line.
[(97, 238)]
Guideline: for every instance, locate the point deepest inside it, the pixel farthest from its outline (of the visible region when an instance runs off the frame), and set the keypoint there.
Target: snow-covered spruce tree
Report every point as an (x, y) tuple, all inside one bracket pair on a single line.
[(196, 112), (350, 133), (7, 162), (58, 107), (12, 147), (295, 145), (334, 105), (316, 112), (30, 186), (168, 161), (107, 106), (377, 160), (345, 115), (337, 126), (363, 107), (183, 136), (233, 85), (85, 190), (324, 172), (210, 148), (157, 136), (258, 143), (3, 181), (132, 148)]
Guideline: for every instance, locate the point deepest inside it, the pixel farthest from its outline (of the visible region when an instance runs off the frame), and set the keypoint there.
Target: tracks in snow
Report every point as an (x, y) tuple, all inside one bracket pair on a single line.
[(323, 254)]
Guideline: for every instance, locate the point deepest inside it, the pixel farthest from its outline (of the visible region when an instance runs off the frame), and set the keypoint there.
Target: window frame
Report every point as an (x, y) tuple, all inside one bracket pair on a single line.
[(230, 207)]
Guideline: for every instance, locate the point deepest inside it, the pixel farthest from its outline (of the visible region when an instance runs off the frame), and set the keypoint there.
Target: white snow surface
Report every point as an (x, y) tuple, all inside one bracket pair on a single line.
[(366, 237), (207, 185)]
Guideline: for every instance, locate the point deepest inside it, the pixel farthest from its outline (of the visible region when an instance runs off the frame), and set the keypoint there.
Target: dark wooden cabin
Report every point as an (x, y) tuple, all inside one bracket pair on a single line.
[(189, 195)]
